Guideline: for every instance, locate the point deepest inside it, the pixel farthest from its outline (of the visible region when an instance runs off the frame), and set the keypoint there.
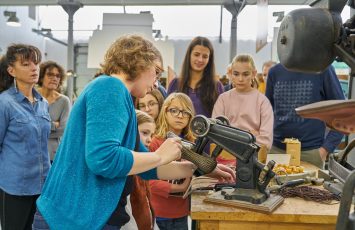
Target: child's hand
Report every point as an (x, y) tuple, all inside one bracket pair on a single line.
[(169, 151), (177, 188), (223, 173), (185, 184)]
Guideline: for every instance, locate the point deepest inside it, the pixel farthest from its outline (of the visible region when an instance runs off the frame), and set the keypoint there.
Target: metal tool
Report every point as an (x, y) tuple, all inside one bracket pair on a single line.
[(204, 164), (291, 183)]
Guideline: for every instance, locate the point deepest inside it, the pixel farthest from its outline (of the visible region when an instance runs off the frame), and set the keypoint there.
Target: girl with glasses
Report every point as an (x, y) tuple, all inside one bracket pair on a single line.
[(51, 77), (171, 211), (151, 103), (244, 106)]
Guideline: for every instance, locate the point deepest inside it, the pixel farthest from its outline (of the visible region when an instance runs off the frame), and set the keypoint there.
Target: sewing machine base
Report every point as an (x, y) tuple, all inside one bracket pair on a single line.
[(268, 206), (249, 195)]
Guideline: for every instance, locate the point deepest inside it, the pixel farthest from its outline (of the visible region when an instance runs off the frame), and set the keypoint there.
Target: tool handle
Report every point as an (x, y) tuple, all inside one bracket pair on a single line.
[(204, 164)]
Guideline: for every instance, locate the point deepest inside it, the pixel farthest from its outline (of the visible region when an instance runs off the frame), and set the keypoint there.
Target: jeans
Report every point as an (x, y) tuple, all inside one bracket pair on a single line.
[(176, 224), (39, 223)]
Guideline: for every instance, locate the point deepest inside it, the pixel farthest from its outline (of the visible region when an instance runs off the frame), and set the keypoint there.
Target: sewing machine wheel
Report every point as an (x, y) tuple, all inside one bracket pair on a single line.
[(200, 125)]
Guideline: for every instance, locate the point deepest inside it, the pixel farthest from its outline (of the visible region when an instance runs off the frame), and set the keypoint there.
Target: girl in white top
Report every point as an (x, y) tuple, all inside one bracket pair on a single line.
[(244, 106)]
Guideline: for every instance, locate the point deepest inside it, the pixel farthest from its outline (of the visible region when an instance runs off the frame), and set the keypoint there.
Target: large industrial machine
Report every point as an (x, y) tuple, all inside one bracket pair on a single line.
[(309, 40)]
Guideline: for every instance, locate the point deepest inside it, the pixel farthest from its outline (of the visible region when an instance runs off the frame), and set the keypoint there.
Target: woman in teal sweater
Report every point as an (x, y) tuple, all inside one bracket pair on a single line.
[(84, 185), (95, 158)]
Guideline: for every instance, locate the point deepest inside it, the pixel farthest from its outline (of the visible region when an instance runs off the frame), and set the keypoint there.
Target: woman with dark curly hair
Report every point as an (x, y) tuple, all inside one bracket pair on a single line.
[(51, 77), (24, 131), (198, 78)]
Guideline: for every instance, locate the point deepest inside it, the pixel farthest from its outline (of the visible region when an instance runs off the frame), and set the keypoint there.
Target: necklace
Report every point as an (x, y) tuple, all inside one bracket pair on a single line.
[(31, 100)]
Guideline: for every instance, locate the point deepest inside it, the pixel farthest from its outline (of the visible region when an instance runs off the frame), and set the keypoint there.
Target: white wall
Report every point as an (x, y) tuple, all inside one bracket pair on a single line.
[(21, 34), (51, 50), (55, 51), (116, 25), (173, 50)]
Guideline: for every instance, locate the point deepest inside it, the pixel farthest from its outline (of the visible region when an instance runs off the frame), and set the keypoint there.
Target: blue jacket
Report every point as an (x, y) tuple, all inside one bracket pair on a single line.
[(288, 90), (90, 168), (24, 132)]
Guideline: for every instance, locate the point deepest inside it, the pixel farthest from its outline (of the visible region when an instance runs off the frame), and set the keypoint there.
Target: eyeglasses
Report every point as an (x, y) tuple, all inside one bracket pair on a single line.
[(53, 75), (143, 106), (176, 112), (158, 71)]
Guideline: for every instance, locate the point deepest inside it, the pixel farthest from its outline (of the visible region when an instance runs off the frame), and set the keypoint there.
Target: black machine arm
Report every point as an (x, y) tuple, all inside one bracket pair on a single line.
[(252, 176), (236, 141)]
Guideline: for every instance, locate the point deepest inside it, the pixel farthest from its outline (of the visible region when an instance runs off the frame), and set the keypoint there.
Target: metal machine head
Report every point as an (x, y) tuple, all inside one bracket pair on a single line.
[(310, 39)]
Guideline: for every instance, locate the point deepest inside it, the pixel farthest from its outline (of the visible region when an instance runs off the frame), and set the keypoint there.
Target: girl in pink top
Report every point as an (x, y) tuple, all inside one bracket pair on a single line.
[(244, 106)]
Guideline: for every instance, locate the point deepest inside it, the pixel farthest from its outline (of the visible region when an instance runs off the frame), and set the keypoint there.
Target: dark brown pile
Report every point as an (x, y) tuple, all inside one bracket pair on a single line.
[(309, 193)]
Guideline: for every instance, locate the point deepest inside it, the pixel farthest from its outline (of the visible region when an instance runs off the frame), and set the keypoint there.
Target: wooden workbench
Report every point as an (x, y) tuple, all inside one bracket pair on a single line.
[(294, 213)]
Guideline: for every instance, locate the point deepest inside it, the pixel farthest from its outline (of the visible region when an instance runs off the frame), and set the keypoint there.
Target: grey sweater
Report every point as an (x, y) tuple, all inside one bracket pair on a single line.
[(59, 111)]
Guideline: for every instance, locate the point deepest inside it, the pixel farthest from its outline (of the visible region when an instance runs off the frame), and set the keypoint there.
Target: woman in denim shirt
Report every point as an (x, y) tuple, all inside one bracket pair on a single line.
[(24, 132)]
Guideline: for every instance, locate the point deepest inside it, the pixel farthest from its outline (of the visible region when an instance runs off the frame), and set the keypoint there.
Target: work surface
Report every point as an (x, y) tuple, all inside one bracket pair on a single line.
[(294, 213)]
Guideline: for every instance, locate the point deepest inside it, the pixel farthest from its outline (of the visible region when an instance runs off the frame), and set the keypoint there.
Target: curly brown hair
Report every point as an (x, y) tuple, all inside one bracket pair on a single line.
[(16, 52), (48, 66), (130, 55)]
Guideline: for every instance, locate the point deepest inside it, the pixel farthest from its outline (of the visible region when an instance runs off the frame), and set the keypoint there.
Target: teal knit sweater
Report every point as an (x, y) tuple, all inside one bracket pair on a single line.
[(89, 172)]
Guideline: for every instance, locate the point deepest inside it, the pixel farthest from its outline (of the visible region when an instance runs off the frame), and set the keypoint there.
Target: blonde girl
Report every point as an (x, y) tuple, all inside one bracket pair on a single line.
[(244, 106), (146, 127), (171, 211)]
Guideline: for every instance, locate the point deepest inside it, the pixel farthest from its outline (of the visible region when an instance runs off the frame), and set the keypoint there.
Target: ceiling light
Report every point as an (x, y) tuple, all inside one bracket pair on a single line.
[(13, 20)]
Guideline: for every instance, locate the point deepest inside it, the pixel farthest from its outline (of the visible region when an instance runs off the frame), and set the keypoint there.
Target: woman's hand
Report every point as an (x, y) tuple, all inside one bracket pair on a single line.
[(223, 173), (169, 151), (56, 124)]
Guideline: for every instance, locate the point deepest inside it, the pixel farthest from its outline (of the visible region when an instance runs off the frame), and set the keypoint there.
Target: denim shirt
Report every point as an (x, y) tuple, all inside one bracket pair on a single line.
[(24, 132)]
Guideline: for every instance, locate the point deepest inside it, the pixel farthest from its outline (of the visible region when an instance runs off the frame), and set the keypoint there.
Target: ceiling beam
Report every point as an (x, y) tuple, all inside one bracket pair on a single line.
[(146, 2)]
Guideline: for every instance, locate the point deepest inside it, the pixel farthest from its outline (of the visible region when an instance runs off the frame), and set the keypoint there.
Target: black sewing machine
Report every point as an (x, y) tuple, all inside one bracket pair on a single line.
[(252, 176)]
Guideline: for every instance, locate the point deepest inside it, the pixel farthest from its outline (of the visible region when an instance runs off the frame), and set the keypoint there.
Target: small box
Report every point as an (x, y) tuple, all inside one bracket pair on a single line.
[(293, 147), (262, 154)]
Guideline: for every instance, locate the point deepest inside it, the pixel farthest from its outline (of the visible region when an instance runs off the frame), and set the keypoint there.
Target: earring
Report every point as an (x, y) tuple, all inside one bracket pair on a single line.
[(15, 84)]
